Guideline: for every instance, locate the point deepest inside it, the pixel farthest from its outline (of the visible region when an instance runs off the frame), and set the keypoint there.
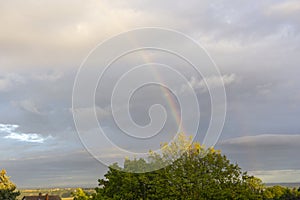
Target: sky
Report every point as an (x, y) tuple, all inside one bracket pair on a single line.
[(255, 44)]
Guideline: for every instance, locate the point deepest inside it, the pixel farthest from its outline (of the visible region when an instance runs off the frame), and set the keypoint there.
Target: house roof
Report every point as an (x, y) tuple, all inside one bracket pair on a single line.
[(50, 197)]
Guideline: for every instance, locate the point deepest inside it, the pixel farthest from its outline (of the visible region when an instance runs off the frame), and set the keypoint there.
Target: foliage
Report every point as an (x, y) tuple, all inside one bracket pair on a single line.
[(7, 188), (281, 193), (193, 173), (79, 194)]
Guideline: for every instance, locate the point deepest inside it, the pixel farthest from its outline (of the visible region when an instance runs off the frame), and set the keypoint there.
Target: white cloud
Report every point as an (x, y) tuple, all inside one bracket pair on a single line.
[(11, 133), (7, 82), (54, 76), (285, 8), (8, 127), (277, 176), (26, 137), (212, 81)]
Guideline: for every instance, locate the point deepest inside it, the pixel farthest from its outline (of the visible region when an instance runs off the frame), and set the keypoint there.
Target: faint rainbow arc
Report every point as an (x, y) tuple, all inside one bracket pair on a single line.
[(167, 95)]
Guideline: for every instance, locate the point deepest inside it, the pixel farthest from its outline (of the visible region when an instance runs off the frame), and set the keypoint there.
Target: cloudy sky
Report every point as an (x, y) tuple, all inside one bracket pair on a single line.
[(255, 44)]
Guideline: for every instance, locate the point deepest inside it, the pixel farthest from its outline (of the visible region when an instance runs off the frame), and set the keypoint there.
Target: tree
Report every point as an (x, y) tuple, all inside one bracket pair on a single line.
[(278, 192), (193, 172), (7, 188), (79, 194)]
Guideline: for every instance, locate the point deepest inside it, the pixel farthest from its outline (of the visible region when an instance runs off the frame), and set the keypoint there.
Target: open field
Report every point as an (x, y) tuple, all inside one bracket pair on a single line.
[(64, 193), (289, 185)]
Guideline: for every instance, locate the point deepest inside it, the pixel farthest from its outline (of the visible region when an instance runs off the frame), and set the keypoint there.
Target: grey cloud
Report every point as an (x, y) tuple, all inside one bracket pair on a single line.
[(27, 105), (39, 100), (72, 169), (50, 77), (10, 81), (100, 112), (264, 140), (47, 35), (255, 44), (287, 10), (234, 20), (263, 152), (4, 84)]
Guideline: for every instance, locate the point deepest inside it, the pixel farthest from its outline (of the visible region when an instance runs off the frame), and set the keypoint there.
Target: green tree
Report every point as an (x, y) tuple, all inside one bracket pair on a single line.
[(7, 188), (278, 192), (79, 194), (193, 172)]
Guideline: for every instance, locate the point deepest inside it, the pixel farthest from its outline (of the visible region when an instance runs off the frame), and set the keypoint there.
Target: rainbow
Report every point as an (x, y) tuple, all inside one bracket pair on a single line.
[(167, 96)]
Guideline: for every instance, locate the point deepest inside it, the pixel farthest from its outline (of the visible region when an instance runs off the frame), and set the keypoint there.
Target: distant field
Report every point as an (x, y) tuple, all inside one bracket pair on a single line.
[(64, 193), (289, 185)]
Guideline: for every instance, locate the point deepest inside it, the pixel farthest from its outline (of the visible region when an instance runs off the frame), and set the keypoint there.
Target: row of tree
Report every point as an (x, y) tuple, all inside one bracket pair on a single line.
[(184, 170), (191, 172), (270, 193)]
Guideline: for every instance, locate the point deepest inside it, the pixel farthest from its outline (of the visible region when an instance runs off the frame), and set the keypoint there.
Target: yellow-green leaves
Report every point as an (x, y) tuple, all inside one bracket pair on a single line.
[(7, 188), (190, 172)]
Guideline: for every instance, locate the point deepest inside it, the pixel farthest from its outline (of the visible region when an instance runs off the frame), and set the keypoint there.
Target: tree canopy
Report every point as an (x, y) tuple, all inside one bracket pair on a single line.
[(7, 188), (278, 192), (192, 172), (80, 194)]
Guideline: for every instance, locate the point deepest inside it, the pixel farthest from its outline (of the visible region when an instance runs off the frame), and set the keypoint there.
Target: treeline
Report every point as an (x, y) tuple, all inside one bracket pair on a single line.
[(269, 193), (183, 170), (189, 171)]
